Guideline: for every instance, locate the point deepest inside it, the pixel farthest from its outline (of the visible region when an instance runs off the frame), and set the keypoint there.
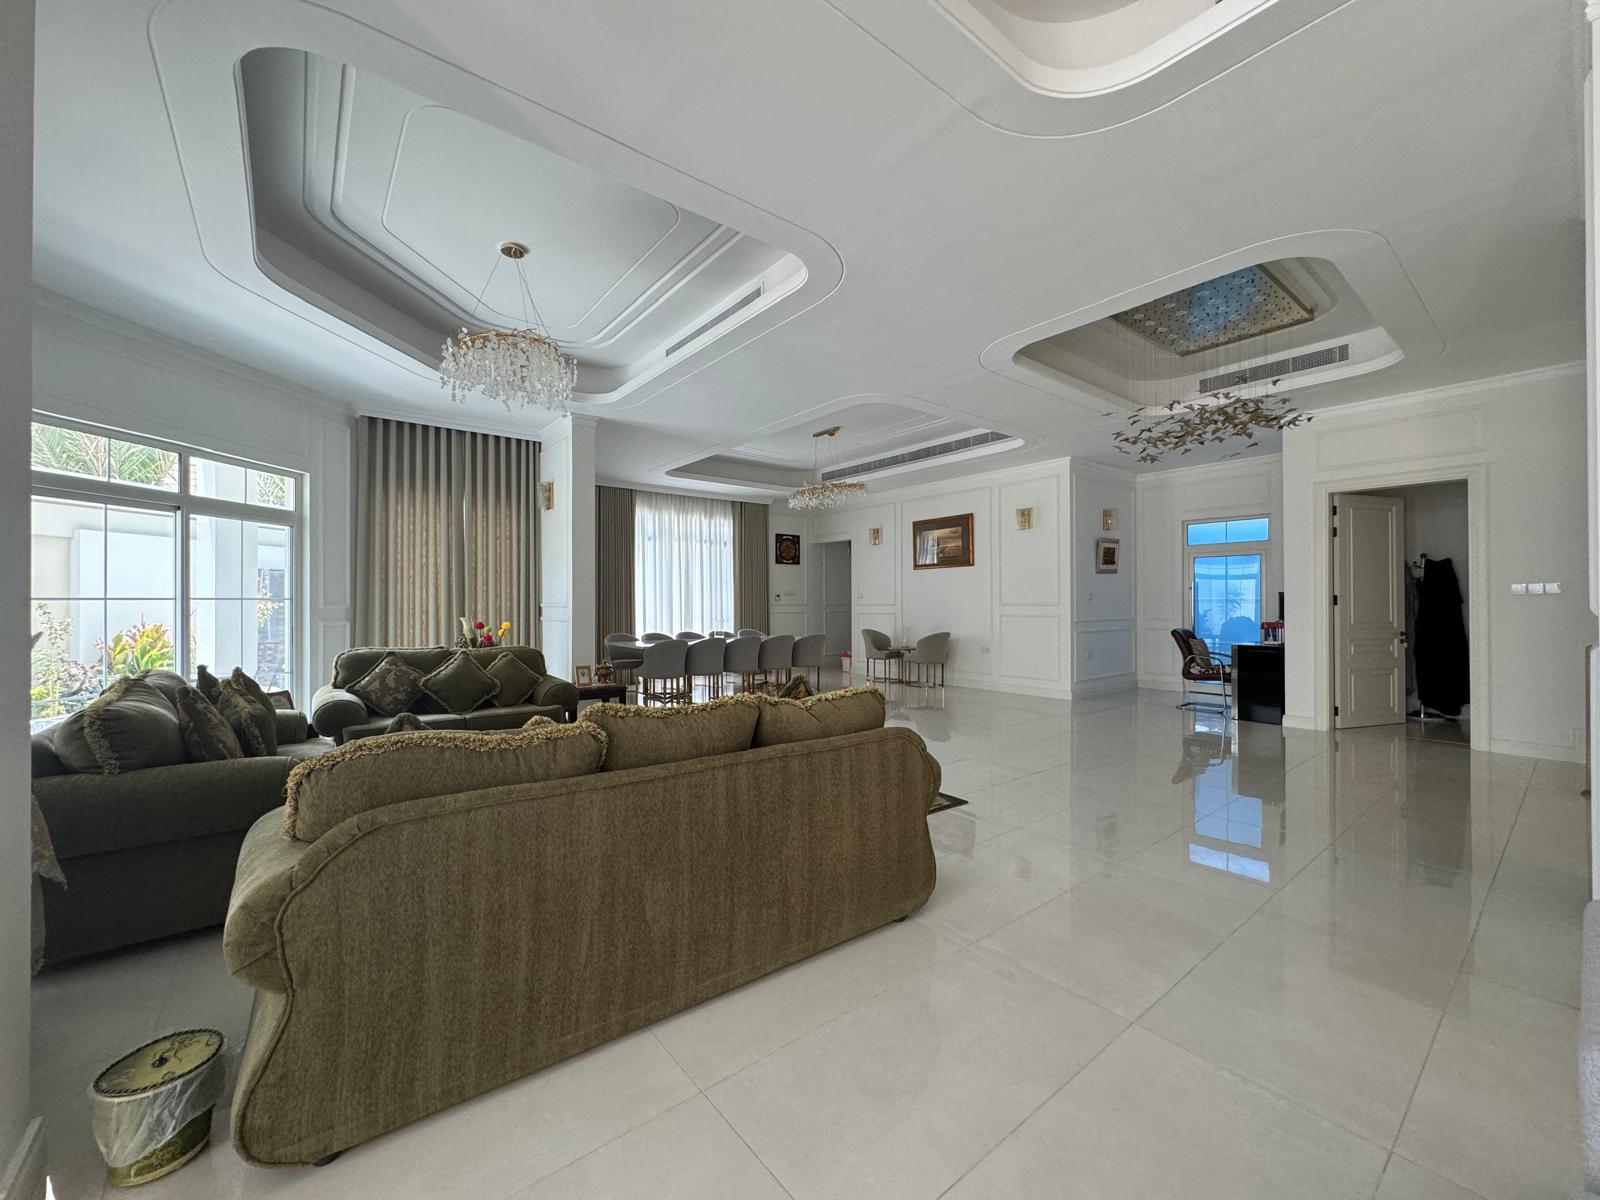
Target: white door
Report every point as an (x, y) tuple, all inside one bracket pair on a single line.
[(1369, 621), (836, 596)]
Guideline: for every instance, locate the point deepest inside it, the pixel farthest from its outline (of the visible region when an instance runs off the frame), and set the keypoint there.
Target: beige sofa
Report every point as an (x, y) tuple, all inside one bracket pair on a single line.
[(412, 949)]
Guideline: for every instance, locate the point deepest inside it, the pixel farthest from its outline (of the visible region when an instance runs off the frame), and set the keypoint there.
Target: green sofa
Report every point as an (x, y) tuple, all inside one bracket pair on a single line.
[(338, 713)]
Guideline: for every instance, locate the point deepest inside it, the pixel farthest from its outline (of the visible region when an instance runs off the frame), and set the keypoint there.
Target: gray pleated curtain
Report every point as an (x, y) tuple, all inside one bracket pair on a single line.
[(446, 527), (750, 581), (613, 565)]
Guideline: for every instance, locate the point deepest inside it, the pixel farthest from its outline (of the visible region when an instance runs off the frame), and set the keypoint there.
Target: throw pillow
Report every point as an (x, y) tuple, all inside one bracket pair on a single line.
[(206, 683), (371, 772), (257, 733), (516, 679), (406, 723), (206, 733), (643, 737), (852, 710), (390, 688), (1200, 652), (460, 684), (253, 689), (128, 727), (797, 688)]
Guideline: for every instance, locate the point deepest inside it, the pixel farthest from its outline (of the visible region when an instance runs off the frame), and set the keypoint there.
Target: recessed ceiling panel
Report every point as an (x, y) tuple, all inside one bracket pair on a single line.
[(1231, 308)]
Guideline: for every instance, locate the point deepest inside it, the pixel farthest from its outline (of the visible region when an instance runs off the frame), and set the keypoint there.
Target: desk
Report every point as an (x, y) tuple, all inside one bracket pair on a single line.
[(1258, 683)]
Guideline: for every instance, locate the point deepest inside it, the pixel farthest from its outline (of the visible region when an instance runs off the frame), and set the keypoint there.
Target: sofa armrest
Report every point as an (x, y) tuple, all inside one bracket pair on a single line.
[(553, 692), (260, 886), (333, 710), (292, 726)]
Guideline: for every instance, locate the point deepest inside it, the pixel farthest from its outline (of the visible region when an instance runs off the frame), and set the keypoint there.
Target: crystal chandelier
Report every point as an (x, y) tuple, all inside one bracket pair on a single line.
[(521, 367), (825, 493)]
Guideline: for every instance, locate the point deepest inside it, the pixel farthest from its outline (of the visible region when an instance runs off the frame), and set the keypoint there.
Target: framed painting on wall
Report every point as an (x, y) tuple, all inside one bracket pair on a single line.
[(786, 549), (1107, 556), (942, 542)]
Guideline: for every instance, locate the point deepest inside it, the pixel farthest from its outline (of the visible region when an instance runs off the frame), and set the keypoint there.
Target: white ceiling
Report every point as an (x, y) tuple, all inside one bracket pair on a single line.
[(1437, 135)]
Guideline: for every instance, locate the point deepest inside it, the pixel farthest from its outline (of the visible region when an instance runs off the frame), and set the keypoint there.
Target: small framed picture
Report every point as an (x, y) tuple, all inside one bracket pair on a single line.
[(585, 674), (786, 549), (941, 542), (1107, 555)]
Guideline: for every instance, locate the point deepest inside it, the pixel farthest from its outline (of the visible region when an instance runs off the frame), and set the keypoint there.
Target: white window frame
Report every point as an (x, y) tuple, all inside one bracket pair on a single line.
[(1220, 549), (183, 503)]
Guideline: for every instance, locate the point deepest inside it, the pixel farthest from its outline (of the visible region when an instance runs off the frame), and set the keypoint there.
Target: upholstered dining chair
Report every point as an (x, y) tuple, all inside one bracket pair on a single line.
[(777, 656), (691, 636), (879, 648), (663, 673), (808, 654), (656, 637), (622, 652), (742, 657), (724, 634), (705, 661), (1200, 667), (752, 633), (928, 657)]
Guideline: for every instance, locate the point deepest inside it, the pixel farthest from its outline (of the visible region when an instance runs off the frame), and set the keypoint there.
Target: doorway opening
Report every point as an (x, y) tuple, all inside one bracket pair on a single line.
[(836, 595), (1401, 612)]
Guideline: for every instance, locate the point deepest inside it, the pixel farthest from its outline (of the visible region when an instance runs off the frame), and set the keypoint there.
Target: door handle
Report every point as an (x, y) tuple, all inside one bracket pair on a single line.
[(1404, 641)]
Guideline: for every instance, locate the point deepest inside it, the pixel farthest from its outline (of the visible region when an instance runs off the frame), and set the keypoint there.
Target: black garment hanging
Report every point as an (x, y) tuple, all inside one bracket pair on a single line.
[(1441, 640)]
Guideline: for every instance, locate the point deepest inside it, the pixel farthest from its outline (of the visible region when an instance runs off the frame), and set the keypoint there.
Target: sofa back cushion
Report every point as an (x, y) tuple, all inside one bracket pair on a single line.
[(853, 710), (351, 665), (128, 727), (371, 772), (644, 737)]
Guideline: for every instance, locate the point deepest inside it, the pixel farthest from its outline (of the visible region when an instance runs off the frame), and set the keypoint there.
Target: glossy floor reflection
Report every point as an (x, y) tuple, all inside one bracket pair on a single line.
[(1166, 957)]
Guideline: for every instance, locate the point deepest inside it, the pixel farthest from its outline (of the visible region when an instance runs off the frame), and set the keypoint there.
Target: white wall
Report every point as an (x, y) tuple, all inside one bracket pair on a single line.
[(1014, 621), (94, 367), (1520, 443), (567, 594), (1241, 488), (21, 1145)]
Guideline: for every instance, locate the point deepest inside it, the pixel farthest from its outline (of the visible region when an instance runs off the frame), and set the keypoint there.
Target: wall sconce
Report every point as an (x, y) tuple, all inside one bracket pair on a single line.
[(875, 536), (1108, 518), (547, 495), (1024, 518)]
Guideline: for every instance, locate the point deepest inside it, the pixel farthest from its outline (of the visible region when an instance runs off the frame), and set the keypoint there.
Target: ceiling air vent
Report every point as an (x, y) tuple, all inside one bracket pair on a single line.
[(920, 454), (742, 302), (1272, 370)]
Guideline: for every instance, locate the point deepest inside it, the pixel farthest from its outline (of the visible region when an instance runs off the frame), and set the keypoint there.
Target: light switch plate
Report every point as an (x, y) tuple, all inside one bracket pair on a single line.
[(1536, 589), (1519, 589), (1552, 589)]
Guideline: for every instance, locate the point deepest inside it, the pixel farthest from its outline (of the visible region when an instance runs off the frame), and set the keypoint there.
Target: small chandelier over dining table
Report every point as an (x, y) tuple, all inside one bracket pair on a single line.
[(521, 368), (824, 493)]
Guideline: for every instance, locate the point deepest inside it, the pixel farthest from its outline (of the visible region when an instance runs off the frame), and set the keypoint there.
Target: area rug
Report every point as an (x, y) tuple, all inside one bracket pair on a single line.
[(946, 800)]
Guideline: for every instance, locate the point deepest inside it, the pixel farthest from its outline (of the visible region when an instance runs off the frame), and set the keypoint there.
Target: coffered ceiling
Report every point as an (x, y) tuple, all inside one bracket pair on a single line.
[(934, 220)]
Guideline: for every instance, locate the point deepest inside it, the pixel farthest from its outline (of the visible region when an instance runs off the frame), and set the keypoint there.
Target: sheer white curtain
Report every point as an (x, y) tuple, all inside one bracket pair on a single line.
[(683, 563)]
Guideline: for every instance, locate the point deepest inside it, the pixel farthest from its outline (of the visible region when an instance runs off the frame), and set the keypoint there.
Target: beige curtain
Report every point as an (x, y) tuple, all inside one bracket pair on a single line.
[(446, 527), (613, 564), (750, 581)]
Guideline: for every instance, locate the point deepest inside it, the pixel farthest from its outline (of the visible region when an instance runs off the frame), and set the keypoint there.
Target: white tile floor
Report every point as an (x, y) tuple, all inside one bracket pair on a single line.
[(1161, 961)]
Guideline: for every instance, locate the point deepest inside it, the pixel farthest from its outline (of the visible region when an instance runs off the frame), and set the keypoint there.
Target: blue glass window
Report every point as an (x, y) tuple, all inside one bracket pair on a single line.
[(1217, 533)]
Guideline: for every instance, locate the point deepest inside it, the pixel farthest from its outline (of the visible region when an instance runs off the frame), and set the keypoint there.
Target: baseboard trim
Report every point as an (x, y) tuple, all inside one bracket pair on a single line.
[(25, 1175), (1105, 683), (1307, 723), (1535, 750)]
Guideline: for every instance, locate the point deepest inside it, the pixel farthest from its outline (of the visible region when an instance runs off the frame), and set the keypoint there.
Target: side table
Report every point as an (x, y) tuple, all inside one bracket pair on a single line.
[(598, 691)]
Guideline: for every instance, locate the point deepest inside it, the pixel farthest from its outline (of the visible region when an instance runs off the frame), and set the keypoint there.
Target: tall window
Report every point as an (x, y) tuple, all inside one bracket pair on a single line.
[(1227, 574), (149, 556), (683, 564)]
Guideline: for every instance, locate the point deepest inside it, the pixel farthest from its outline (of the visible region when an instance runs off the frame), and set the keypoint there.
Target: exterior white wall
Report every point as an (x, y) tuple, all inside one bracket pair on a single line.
[(1242, 488), (97, 368), (21, 1144), (1016, 623), (1520, 442)]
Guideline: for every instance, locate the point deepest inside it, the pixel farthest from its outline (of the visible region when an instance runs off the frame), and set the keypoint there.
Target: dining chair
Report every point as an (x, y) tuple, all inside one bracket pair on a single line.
[(725, 634), (691, 636), (705, 660), (808, 654), (879, 648), (777, 656), (752, 633), (662, 674), (622, 652), (742, 657), (928, 657), (656, 637)]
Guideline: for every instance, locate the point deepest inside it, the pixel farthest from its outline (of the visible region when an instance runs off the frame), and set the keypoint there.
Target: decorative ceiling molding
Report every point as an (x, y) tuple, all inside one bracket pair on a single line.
[(195, 56)]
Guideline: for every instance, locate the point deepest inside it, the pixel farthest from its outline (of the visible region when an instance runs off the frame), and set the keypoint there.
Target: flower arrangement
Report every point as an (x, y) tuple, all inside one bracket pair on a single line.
[(477, 634)]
